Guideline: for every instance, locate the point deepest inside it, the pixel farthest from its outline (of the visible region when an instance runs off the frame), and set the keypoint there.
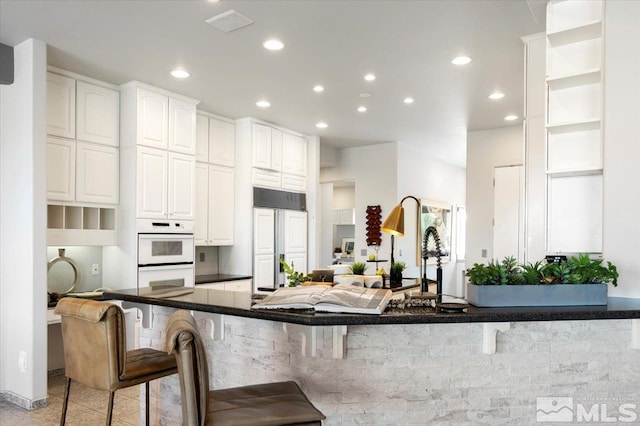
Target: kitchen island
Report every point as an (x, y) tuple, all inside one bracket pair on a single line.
[(411, 366)]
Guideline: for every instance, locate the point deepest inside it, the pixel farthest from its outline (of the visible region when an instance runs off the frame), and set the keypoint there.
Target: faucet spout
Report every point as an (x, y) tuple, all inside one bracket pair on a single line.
[(432, 232)]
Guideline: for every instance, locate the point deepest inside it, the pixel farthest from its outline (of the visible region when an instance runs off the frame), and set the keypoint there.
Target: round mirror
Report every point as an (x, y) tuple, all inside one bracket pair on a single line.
[(62, 274)]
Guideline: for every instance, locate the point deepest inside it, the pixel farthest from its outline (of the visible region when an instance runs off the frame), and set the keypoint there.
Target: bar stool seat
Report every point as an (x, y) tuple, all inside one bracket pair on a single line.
[(269, 404), (95, 352)]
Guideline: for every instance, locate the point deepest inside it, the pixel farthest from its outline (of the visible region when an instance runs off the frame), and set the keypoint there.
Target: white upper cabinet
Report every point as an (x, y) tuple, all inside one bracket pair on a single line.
[(202, 138), (276, 150), (97, 173), (61, 166), (261, 146), (182, 126), (153, 119), (294, 155), (215, 141), (222, 139), (181, 186), (97, 114), (151, 183), (61, 106)]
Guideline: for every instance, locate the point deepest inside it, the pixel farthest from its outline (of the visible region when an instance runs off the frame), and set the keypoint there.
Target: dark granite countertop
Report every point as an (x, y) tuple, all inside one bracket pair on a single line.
[(239, 304), (217, 278)]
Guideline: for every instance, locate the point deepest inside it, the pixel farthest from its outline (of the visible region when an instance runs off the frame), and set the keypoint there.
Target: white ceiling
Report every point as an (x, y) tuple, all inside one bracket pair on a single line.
[(407, 44)]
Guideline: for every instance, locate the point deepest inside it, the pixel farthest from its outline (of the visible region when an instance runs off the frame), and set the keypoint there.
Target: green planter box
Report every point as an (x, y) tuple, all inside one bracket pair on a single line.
[(493, 296)]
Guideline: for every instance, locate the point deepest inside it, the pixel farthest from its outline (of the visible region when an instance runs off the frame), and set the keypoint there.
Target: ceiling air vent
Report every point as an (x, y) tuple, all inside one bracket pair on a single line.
[(229, 21)]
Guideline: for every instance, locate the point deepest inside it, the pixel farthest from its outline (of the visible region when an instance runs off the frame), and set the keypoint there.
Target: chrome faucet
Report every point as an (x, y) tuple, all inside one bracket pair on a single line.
[(432, 231)]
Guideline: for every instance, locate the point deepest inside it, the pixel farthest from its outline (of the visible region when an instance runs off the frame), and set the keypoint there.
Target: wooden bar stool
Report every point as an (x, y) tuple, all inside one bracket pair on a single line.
[(95, 354), (271, 404)]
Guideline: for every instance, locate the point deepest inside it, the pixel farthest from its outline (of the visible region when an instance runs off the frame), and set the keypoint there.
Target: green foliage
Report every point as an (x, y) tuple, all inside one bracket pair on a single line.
[(295, 278), (398, 267), (576, 270), (358, 268)]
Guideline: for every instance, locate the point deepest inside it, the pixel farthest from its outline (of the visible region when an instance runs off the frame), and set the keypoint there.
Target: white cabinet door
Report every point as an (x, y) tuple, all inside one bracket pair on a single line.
[(182, 126), (181, 190), (263, 231), (61, 169), (202, 138), (298, 261), (264, 271), (294, 155), (222, 139), (97, 173), (61, 106), (295, 232), (200, 230), (261, 146), (153, 111), (347, 217), (97, 114), (276, 150), (151, 183), (221, 205)]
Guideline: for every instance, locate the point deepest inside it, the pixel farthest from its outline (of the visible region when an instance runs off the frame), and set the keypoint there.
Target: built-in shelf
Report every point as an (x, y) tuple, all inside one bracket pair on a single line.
[(574, 172), (576, 34), (571, 126), (81, 225), (574, 79)]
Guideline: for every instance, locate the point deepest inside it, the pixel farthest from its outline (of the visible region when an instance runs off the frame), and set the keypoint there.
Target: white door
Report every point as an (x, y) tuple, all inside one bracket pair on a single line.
[(182, 126), (181, 191), (202, 138), (97, 173), (61, 169), (152, 183), (153, 112), (295, 232), (200, 229), (507, 213), (264, 232), (97, 114), (221, 205), (222, 138), (263, 271), (61, 106), (261, 146)]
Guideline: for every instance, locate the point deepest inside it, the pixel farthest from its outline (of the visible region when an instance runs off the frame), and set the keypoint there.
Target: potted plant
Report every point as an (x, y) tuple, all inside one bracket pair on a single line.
[(295, 278), (577, 281), (358, 268), (396, 273)]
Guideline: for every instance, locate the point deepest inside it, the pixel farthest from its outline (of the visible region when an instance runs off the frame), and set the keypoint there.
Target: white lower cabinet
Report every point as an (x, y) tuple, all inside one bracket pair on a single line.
[(215, 205), (236, 285)]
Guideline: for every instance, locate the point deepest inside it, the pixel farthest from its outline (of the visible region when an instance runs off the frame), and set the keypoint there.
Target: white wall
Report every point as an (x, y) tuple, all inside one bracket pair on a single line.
[(344, 197), (486, 149), (84, 257), (621, 232), (23, 264)]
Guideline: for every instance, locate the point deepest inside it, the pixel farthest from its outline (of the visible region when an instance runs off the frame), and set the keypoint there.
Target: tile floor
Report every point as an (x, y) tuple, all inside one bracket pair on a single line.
[(86, 407)]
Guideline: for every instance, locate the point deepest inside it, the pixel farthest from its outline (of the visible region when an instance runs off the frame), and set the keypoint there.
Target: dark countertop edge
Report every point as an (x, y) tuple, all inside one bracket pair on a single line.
[(217, 278), (322, 319)]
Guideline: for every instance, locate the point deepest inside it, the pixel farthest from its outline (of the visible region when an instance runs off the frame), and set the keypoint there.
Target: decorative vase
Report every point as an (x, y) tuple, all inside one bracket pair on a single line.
[(395, 279)]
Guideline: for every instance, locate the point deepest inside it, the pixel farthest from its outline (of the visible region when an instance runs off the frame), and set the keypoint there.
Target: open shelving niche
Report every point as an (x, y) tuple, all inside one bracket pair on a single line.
[(81, 225), (574, 148)]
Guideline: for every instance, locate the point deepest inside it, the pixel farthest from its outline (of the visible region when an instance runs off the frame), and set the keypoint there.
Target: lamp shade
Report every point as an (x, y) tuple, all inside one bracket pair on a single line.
[(394, 223)]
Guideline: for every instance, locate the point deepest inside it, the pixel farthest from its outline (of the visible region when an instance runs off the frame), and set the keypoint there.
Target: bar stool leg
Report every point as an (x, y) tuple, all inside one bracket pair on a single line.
[(110, 412), (146, 403), (63, 417)]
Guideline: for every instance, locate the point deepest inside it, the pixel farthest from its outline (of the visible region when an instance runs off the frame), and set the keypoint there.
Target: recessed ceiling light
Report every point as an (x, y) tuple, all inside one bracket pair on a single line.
[(362, 108), (318, 89), (180, 73), (496, 95), (263, 103), (273, 44), (511, 117), (461, 60), (365, 95), (370, 77), (322, 125), (408, 100)]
